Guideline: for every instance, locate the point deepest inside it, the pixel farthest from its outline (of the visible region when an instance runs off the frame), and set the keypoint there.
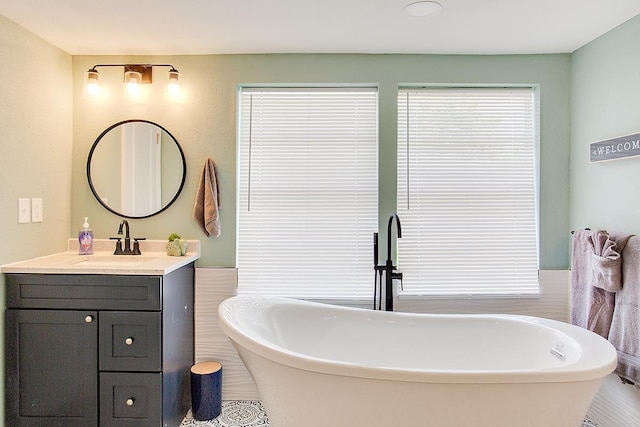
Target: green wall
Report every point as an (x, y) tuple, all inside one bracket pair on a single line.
[(35, 149), (204, 122), (35, 141), (605, 92), (605, 87)]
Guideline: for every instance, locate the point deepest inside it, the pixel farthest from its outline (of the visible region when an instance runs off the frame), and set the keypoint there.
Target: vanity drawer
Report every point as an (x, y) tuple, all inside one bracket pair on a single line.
[(80, 291), (130, 400), (130, 341)]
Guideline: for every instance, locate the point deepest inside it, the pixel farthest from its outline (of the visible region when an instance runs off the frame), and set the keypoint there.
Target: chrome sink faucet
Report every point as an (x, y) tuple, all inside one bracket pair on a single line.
[(127, 241)]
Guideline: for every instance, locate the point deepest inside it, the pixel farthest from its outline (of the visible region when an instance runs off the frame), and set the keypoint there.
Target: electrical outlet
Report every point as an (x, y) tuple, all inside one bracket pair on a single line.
[(36, 210), (24, 211)]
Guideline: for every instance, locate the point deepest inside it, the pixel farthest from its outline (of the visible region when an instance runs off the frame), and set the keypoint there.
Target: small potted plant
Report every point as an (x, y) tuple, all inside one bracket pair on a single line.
[(176, 246)]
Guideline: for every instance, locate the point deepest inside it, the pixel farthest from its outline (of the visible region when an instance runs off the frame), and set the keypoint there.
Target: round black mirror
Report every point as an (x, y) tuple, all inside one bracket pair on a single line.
[(136, 169)]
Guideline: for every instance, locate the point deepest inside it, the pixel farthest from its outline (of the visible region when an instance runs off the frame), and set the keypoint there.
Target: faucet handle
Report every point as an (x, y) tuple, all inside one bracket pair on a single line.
[(136, 245), (118, 250)]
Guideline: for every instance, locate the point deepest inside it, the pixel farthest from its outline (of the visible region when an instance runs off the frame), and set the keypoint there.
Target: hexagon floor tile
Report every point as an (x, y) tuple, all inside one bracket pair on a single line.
[(251, 413)]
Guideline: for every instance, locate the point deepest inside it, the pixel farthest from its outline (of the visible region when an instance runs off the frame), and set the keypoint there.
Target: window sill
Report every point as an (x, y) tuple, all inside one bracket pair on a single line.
[(409, 296)]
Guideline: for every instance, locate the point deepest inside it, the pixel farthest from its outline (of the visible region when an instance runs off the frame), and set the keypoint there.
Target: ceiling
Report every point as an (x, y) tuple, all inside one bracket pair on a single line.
[(159, 27)]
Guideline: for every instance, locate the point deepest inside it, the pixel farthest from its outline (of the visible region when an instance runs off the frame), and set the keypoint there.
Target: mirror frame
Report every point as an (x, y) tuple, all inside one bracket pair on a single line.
[(93, 189)]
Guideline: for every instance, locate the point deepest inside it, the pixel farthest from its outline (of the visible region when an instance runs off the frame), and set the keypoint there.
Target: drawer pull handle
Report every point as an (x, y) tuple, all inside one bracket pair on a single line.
[(130, 401), (88, 319), (128, 341)]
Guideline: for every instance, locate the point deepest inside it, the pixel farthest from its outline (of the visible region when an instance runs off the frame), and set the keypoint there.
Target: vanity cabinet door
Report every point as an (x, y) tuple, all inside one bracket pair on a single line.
[(51, 368), (130, 399), (130, 341)]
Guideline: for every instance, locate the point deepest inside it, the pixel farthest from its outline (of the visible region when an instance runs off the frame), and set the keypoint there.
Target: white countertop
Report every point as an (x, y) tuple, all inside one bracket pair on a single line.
[(153, 260)]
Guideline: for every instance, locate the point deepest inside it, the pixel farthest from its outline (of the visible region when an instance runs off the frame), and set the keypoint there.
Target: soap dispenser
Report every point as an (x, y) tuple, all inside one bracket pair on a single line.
[(85, 239)]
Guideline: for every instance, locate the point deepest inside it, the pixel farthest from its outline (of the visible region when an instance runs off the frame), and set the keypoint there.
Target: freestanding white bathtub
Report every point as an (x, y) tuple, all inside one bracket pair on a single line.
[(329, 366)]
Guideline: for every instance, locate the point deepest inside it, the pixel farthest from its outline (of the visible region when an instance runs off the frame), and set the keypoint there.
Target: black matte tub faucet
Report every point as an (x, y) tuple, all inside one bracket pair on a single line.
[(388, 268)]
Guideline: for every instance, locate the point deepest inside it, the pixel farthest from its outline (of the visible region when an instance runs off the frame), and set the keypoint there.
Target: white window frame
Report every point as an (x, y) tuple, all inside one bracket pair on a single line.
[(436, 252), (324, 252)]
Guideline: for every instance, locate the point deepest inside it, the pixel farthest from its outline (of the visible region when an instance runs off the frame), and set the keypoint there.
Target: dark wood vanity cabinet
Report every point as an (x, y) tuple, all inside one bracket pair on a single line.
[(98, 350)]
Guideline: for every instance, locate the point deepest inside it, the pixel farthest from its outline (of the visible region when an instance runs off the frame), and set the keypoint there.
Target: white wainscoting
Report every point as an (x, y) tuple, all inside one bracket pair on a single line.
[(615, 405), (213, 285), (553, 302)]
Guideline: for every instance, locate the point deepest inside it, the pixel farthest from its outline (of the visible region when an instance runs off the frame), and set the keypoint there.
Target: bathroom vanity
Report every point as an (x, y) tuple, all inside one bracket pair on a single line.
[(99, 340)]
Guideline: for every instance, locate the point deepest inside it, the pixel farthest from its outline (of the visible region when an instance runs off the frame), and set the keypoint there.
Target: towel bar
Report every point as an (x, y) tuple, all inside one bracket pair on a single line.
[(587, 228)]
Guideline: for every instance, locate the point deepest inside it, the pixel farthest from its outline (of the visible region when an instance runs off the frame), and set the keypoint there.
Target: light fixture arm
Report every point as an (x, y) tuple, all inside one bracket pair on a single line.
[(132, 65)]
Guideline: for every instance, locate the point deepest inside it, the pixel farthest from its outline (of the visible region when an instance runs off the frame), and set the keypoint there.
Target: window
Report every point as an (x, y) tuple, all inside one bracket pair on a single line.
[(308, 191), (467, 191)]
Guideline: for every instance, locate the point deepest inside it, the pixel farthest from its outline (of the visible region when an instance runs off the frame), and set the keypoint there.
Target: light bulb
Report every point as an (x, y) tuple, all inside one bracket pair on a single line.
[(173, 87), (93, 84), (132, 81)]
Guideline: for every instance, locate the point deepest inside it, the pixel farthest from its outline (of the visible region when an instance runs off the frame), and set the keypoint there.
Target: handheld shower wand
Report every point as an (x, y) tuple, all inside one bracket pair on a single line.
[(378, 276), (375, 270)]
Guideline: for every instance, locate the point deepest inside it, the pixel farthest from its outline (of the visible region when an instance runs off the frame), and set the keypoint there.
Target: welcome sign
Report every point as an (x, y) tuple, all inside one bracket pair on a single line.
[(616, 148)]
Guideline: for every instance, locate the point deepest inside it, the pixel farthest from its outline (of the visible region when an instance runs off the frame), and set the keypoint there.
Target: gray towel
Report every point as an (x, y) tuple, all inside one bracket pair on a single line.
[(206, 208), (601, 306), (625, 325), (606, 262), (580, 290), (605, 279)]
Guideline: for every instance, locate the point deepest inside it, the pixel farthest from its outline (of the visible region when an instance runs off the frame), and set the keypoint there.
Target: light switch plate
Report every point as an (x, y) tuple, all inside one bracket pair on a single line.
[(36, 210), (24, 211)]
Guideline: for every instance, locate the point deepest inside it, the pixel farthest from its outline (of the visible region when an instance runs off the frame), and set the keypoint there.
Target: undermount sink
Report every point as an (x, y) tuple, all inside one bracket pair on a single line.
[(111, 261)]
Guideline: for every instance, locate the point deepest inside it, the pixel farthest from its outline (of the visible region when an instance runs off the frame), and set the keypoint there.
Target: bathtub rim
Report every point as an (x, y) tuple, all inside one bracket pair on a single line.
[(585, 369)]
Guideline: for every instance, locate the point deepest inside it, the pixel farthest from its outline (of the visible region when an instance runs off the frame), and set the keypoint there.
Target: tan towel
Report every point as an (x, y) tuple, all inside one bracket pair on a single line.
[(207, 205), (605, 279), (625, 325)]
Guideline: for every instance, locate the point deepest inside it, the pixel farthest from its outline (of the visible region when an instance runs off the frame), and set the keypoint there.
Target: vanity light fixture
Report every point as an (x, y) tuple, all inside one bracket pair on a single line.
[(134, 76)]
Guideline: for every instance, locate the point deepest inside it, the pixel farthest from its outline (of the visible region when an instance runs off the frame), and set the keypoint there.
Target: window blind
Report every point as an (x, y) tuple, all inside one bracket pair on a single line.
[(467, 191), (308, 192)]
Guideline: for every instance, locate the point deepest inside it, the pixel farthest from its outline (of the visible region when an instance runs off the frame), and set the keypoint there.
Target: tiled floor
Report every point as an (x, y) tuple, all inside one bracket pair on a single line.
[(235, 413), (248, 413)]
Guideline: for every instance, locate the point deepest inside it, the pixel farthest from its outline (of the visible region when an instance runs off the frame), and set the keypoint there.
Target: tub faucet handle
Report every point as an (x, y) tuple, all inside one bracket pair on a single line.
[(398, 276)]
